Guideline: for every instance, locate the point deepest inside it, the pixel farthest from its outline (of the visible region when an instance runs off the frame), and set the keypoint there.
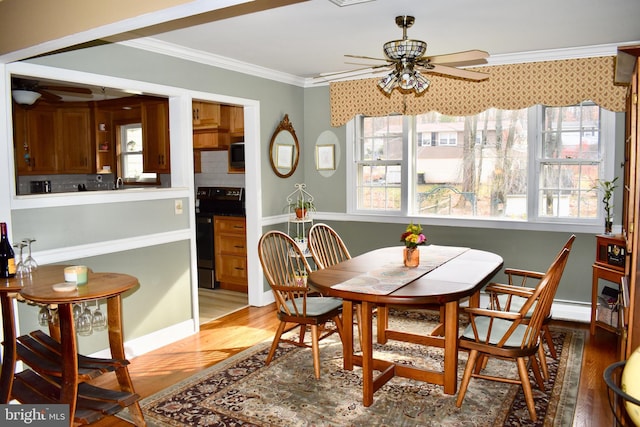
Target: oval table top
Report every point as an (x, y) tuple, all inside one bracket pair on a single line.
[(39, 287), (457, 278)]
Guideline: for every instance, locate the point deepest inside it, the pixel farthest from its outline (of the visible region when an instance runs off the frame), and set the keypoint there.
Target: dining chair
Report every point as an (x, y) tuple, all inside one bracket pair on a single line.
[(504, 300), (511, 335), (327, 249), (286, 270), (326, 246)]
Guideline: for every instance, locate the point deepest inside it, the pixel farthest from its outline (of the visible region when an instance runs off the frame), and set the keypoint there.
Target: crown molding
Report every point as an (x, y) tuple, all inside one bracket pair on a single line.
[(593, 51), (177, 51), (154, 45)]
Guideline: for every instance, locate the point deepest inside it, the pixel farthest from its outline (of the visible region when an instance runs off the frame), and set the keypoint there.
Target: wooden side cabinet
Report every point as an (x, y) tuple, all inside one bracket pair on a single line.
[(230, 248), (609, 266), (155, 136)]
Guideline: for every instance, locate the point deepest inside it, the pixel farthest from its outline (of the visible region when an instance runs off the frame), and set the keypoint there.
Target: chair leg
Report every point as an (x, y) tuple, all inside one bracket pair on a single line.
[(466, 377), (546, 333), (315, 349), (526, 387), (339, 326), (535, 367), (276, 340), (481, 364), (543, 362), (303, 331)]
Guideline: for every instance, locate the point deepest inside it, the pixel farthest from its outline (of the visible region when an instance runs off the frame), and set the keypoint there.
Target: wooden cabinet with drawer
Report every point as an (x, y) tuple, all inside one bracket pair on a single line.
[(230, 247)]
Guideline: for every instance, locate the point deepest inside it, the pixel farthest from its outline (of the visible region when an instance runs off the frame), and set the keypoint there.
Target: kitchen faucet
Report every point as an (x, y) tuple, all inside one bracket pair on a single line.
[(119, 183)]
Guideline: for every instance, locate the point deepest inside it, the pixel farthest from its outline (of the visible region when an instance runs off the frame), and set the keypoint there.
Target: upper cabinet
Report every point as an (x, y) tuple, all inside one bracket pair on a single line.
[(155, 136), (207, 115), (236, 121), (50, 140), (77, 149), (211, 126)]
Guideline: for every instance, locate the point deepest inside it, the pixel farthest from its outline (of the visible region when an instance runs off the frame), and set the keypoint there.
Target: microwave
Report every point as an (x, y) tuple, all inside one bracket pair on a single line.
[(236, 155)]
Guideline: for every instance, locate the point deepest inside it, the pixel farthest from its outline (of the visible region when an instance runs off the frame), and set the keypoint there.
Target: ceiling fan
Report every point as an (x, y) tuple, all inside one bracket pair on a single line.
[(407, 62), (27, 91)]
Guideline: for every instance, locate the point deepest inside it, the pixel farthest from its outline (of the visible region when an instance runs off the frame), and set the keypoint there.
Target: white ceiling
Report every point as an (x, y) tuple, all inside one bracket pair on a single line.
[(311, 37)]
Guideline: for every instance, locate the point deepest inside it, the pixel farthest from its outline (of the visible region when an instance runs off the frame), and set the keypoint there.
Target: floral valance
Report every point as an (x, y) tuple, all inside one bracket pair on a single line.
[(511, 87)]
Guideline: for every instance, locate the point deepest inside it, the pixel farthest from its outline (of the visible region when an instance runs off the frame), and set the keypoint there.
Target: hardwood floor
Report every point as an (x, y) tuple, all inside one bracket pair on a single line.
[(215, 303), (231, 334)]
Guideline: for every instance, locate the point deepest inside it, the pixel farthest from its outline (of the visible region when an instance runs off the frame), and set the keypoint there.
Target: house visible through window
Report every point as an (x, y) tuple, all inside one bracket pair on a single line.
[(536, 164)]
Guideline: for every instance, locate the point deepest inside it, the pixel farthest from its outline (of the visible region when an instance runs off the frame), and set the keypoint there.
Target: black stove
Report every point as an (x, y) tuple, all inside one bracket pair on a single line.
[(213, 201), (221, 201)]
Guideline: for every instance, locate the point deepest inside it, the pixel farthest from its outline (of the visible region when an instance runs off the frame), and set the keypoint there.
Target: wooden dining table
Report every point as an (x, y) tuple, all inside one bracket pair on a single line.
[(56, 372), (444, 287)]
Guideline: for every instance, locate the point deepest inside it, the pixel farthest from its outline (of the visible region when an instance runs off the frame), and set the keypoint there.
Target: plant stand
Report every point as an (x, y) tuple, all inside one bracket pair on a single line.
[(301, 210)]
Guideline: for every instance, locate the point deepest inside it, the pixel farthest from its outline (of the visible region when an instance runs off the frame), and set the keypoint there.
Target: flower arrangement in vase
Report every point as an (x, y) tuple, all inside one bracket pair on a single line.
[(412, 238)]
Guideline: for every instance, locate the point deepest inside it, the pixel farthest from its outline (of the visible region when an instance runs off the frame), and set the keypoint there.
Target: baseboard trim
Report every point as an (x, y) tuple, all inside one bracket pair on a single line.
[(560, 310), (154, 340)]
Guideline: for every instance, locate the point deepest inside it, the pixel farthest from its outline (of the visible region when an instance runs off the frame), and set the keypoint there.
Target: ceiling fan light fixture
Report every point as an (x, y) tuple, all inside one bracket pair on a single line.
[(388, 82), (25, 97), (416, 82), (421, 83), (400, 49)]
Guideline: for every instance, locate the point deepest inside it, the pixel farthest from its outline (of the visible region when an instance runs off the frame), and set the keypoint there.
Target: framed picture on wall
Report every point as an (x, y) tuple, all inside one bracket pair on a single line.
[(284, 156), (325, 157)]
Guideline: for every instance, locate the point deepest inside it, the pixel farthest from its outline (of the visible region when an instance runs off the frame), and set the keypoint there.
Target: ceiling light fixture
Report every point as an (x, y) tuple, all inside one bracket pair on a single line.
[(25, 97), (406, 78)]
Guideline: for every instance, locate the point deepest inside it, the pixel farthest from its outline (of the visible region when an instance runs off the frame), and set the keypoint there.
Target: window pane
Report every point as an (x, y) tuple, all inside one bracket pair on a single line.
[(478, 168), (567, 191), (132, 166), (571, 132), (379, 170)]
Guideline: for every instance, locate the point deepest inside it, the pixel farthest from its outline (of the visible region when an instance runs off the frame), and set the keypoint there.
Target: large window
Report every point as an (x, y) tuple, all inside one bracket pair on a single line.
[(536, 164)]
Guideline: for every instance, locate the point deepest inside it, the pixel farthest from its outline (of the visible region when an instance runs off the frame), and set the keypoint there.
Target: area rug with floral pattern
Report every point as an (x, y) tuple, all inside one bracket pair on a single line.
[(242, 391)]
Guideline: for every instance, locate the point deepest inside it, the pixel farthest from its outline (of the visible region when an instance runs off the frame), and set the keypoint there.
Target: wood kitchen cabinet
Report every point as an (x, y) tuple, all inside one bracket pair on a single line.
[(210, 126), (50, 140), (34, 138), (210, 140), (74, 140), (230, 249), (236, 122), (209, 115), (155, 136)]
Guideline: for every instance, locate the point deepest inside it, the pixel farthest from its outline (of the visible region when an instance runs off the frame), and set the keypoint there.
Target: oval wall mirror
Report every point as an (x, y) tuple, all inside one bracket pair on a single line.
[(284, 149)]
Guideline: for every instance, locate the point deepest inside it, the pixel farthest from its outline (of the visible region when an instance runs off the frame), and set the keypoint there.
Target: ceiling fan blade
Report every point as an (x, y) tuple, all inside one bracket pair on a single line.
[(456, 72), (354, 72), (458, 57), (51, 97), (367, 57), (71, 89)]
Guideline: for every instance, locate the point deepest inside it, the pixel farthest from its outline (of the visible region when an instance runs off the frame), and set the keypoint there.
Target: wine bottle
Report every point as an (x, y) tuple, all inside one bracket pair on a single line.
[(7, 256)]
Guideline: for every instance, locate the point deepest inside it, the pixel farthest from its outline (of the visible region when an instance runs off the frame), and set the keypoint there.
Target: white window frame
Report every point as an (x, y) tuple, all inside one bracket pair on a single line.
[(533, 222)]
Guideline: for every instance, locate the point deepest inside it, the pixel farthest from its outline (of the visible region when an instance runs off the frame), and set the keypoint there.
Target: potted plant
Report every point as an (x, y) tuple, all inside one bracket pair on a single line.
[(301, 206), (607, 188)]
